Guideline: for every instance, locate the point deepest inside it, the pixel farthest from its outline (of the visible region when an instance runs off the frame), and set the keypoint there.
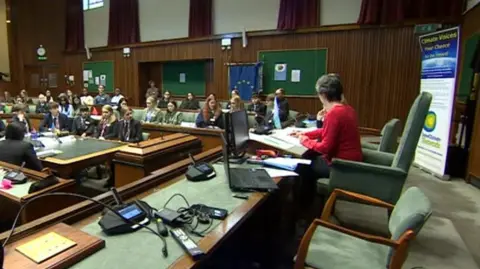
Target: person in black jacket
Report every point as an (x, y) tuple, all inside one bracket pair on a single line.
[(16, 151), (284, 108), (163, 103), (257, 106), (108, 126), (190, 103), (20, 116), (83, 125), (210, 116), (42, 106), (54, 120), (2, 128), (129, 130)]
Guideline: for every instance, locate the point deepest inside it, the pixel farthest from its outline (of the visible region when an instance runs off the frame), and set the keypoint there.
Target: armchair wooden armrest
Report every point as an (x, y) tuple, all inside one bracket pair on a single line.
[(327, 210), (304, 244), (47, 170)]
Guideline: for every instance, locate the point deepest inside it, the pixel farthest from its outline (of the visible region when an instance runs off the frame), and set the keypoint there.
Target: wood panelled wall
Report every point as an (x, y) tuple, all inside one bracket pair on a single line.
[(379, 66), (471, 25)]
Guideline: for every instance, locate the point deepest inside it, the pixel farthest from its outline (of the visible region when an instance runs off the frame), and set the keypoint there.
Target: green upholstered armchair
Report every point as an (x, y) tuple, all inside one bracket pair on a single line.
[(326, 245), (382, 175), (388, 142), (145, 136)]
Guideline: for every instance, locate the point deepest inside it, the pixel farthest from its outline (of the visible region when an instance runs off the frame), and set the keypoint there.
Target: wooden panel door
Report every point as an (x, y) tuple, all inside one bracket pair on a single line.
[(53, 80), (33, 79)]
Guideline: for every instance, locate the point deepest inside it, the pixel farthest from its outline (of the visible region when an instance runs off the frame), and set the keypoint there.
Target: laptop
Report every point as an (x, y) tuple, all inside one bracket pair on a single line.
[(246, 179)]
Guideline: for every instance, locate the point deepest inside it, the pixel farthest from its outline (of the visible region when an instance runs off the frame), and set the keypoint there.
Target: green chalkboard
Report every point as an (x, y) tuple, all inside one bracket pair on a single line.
[(467, 72), (182, 77), (99, 70), (311, 64)]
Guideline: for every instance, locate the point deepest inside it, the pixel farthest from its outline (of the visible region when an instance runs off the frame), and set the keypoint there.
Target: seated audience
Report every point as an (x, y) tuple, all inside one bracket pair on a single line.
[(49, 96), (19, 100), (151, 114), (257, 106), (42, 106), (16, 151), (152, 91), (69, 94), (236, 104), (130, 130), (20, 116), (339, 137), (211, 115), (2, 108), (54, 120), (172, 116), (117, 95), (212, 95), (164, 101), (284, 108), (234, 93), (65, 107), (76, 104), (83, 125), (102, 98), (2, 128), (121, 108), (108, 126), (93, 110), (190, 103), (26, 100), (84, 95), (7, 97)]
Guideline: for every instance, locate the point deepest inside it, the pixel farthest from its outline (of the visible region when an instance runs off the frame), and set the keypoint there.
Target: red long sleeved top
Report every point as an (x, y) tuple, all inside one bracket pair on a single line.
[(339, 137)]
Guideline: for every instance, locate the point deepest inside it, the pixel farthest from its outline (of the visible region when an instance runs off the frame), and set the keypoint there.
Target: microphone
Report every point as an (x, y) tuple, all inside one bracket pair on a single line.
[(191, 158), (17, 176), (116, 196)]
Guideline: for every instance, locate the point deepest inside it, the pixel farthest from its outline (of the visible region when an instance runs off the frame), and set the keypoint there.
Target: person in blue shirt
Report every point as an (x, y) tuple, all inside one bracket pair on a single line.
[(65, 107), (102, 98), (211, 115)]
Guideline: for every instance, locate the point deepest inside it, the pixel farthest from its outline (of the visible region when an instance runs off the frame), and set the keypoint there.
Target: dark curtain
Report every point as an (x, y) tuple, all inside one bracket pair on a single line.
[(74, 36), (397, 11), (123, 27), (200, 18), (295, 14)]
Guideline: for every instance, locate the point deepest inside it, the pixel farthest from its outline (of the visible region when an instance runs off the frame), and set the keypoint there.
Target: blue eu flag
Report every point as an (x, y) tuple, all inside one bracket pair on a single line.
[(245, 78)]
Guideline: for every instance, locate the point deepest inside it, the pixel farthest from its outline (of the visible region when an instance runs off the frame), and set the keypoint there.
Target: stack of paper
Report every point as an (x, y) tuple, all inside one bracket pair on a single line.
[(286, 163)]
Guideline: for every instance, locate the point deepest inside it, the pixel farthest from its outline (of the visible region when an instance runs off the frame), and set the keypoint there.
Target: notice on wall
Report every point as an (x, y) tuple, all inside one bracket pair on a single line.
[(86, 75), (97, 80), (295, 75), (103, 80), (182, 78), (280, 72), (439, 69)]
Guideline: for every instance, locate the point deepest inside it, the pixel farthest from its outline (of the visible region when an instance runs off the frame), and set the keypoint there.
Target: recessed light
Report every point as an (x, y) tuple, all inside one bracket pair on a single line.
[(8, 21)]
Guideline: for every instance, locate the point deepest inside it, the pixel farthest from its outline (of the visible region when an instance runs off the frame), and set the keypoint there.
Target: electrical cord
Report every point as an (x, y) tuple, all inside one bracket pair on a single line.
[(189, 216), (164, 249)]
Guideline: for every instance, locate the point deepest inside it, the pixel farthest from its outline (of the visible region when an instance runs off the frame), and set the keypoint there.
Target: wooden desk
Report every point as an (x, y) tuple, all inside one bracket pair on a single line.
[(139, 160), (84, 213), (210, 137), (11, 200), (81, 154)]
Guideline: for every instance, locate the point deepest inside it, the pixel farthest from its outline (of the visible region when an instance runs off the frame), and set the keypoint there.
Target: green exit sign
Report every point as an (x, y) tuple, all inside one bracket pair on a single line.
[(427, 28)]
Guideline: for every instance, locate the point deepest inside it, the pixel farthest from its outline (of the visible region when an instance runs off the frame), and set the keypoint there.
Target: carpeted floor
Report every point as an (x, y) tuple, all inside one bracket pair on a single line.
[(450, 237)]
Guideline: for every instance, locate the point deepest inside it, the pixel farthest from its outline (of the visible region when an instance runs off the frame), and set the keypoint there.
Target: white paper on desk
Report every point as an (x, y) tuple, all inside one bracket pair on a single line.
[(67, 139), (280, 173), (187, 124), (48, 142), (286, 163)]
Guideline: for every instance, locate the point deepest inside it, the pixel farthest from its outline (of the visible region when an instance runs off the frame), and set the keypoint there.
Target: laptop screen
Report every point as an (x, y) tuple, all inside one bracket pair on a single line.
[(226, 165)]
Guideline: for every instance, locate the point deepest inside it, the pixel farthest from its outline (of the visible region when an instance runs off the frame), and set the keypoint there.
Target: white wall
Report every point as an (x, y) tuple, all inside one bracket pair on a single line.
[(4, 59), (163, 19), (230, 16), (96, 26), (339, 11)]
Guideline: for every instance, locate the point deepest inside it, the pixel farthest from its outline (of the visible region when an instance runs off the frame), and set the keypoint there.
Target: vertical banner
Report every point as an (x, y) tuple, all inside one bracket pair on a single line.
[(439, 73)]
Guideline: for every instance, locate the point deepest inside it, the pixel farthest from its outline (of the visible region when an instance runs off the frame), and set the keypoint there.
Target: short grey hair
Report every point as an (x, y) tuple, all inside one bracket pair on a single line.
[(330, 86)]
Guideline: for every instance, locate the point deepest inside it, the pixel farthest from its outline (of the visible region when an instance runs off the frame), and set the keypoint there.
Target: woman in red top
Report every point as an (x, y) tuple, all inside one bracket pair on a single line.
[(339, 137)]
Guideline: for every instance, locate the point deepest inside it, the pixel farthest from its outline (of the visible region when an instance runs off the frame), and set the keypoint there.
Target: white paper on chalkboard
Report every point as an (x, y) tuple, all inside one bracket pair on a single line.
[(183, 78), (295, 75)]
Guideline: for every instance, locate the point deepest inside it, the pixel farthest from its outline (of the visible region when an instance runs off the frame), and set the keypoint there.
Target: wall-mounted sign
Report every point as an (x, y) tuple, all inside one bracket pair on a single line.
[(41, 53)]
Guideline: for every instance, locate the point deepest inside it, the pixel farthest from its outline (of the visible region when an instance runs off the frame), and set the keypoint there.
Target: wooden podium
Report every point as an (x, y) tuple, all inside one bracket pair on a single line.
[(85, 246), (139, 160)]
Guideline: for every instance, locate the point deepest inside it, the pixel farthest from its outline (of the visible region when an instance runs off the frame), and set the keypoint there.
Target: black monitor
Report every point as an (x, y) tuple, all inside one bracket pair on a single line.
[(237, 132)]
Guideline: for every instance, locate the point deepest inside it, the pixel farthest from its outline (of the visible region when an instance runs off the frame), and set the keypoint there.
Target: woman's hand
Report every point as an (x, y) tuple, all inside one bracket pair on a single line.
[(321, 114), (302, 138), (296, 133)]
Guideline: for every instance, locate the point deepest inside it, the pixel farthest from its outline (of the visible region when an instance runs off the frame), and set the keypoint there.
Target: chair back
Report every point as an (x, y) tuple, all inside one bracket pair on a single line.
[(390, 134), (413, 129), (410, 213)]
